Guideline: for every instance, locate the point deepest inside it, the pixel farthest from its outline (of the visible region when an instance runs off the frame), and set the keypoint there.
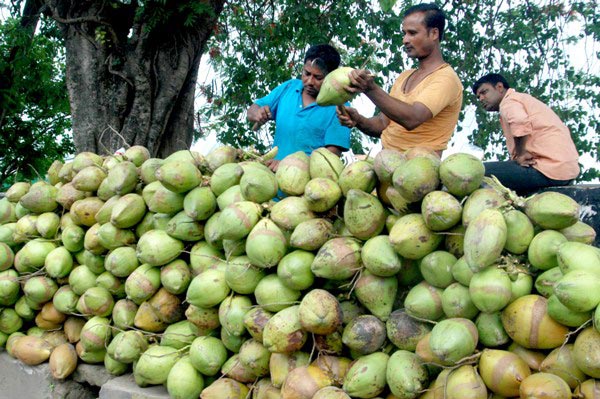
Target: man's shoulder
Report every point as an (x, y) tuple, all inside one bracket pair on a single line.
[(448, 72)]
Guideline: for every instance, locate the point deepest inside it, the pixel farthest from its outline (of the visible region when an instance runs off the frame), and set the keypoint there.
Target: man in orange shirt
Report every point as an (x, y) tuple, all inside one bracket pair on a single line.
[(542, 153), (423, 106)]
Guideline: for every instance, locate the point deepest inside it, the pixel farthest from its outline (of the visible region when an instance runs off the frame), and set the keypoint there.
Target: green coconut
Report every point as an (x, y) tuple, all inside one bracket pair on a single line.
[(543, 248), (184, 381), (376, 293), (67, 195), (311, 234), (385, 163), (580, 232), (208, 289), (160, 199), (16, 191), (364, 334), (578, 256), (142, 283), (359, 175), (322, 194), (552, 210), (324, 163), (490, 289), (337, 259), (436, 268), (544, 282), (485, 238), (519, 232), (176, 276), (179, 176), (47, 224), (416, 178), (293, 173), (440, 210), (405, 374), (127, 346), (461, 174), (153, 367), (258, 185), (320, 312), (379, 257), (157, 248), (490, 329), (457, 302), (424, 301), (96, 334), (478, 200), (453, 339), (231, 314), (266, 244), (97, 301), (412, 239), (366, 378), (294, 270), (254, 356), (206, 319), (237, 220), (122, 178), (577, 290), (290, 212), (586, 352), (364, 215), (283, 333), (273, 295), (332, 90), (40, 198), (255, 320)]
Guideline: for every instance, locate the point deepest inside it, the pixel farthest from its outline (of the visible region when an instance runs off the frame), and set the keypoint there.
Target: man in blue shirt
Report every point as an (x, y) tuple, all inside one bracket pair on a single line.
[(301, 124)]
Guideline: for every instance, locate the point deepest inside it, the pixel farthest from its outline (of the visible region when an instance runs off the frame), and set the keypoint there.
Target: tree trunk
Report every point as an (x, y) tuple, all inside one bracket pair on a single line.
[(131, 79)]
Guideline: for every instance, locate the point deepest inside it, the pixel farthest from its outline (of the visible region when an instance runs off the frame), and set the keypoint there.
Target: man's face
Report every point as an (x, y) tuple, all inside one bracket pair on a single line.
[(418, 41), (490, 96), (312, 78)]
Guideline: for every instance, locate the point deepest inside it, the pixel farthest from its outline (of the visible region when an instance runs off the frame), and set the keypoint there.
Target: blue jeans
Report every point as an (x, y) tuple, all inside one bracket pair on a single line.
[(519, 178)]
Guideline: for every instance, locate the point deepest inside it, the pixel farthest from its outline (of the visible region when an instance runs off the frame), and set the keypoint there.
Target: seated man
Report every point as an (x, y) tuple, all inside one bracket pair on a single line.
[(301, 124), (542, 153)]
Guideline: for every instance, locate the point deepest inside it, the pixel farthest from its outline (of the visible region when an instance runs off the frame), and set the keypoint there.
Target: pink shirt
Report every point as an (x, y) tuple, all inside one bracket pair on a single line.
[(546, 137)]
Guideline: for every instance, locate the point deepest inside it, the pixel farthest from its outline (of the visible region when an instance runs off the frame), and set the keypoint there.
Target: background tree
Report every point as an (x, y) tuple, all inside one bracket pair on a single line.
[(259, 44), (34, 106)]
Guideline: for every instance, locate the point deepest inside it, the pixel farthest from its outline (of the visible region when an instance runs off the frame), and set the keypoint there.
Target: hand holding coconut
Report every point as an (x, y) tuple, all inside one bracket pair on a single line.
[(259, 115)]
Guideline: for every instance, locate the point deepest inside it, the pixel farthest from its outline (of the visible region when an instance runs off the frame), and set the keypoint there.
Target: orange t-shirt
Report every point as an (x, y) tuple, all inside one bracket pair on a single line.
[(441, 92), (547, 138)]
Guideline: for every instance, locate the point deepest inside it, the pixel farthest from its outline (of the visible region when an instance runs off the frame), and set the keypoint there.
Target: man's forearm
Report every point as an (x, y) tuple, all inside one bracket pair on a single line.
[(409, 116), (371, 126)]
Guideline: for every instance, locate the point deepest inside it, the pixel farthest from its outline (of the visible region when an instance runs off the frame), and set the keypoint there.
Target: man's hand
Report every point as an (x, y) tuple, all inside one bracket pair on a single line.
[(259, 115), (348, 116), (272, 164), (525, 159), (361, 81)]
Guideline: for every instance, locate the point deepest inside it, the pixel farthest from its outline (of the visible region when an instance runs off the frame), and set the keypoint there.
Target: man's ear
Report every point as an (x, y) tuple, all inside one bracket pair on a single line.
[(500, 87), (436, 32)]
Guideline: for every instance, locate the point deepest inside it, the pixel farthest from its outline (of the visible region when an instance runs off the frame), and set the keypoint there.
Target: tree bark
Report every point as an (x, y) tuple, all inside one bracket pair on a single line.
[(131, 80)]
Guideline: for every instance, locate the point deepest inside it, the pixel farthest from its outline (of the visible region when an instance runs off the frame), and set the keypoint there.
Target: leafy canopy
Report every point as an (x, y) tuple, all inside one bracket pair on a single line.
[(35, 119)]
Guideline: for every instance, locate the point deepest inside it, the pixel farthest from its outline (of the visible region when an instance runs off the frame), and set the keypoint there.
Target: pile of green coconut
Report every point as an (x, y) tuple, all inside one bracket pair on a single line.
[(397, 276)]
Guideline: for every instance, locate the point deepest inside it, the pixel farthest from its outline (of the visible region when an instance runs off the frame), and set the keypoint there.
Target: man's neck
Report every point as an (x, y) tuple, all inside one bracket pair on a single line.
[(431, 62)]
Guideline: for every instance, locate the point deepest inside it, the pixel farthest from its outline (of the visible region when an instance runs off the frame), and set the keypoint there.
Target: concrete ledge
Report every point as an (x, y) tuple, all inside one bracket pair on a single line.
[(19, 381), (124, 387)]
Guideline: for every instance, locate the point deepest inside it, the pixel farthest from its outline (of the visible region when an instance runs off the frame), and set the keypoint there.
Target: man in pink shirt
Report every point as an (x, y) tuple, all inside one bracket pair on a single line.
[(542, 153)]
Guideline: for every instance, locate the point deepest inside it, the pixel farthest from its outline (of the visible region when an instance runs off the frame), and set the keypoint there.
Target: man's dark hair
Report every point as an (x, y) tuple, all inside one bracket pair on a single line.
[(491, 78), (434, 16), (325, 57)]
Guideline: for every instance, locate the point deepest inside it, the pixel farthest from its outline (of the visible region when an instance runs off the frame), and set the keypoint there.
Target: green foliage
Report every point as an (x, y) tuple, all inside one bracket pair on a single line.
[(259, 44), (34, 129)]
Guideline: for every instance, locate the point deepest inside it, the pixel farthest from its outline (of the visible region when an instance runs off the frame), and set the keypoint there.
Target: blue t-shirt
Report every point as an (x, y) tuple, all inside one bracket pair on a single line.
[(299, 128)]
